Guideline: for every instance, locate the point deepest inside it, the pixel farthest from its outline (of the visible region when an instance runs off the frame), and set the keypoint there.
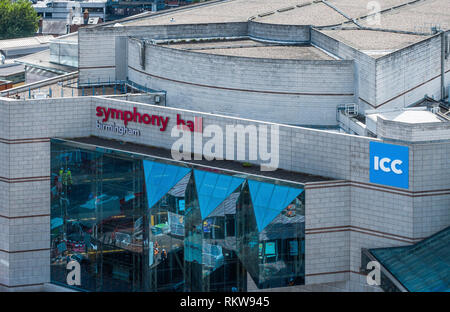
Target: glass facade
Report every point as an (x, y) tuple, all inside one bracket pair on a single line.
[(138, 223)]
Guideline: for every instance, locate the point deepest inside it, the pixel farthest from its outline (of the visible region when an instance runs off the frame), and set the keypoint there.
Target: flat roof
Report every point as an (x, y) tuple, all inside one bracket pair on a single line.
[(24, 42), (396, 14), (214, 12), (358, 8), (317, 14), (275, 52), (374, 43), (11, 69), (280, 174), (210, 44), (250, 48), (42, 60), (416, 17)]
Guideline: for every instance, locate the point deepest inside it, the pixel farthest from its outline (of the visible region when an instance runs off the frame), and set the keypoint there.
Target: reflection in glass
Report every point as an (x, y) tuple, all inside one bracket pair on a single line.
[(166, 236), (96, 209), (140, 224)]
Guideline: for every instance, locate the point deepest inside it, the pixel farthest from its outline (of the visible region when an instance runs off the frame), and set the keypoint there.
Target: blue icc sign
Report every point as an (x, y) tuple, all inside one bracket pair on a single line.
[(389, 164)]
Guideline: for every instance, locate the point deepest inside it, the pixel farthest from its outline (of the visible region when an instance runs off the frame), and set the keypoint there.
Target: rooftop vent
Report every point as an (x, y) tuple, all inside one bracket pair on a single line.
[(435, 109), (435, 29), (77, 20)]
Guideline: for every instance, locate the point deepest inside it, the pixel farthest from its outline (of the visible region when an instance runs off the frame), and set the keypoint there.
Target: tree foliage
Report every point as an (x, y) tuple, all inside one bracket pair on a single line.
[(17, 19)]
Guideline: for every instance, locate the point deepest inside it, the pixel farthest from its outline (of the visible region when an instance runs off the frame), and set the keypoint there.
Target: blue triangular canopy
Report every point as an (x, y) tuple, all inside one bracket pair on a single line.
[(269, 200), (213, 189), (160, 178)]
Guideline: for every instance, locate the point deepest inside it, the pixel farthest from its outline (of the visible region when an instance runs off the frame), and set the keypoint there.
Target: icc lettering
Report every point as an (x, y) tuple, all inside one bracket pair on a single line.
[(383, 164)]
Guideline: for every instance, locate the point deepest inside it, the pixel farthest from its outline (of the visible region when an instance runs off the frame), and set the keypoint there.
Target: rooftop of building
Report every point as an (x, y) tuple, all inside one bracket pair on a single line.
[(402, 22), (418, 16), (250, 48), (405, 15), (227, 165), (24, 42), (417, 115), (374, 43), (42, 60), (317, 14), (222, 11), (11, 69)]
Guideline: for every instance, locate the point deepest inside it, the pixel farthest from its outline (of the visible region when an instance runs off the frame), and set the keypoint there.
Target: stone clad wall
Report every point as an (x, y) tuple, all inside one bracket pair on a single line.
[(304, 92), (286, 33), (407, 75), (97, 61)]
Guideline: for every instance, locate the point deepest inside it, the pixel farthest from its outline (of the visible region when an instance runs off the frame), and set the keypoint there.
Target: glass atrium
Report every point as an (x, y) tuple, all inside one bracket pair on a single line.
[(140, 223)]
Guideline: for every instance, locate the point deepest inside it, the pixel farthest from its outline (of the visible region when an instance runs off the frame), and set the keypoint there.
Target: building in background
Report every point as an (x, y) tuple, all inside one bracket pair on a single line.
[(66, 10), (63, 17), (119, 9), (106, 10), (13, 49), (5, 84), (13, 73)]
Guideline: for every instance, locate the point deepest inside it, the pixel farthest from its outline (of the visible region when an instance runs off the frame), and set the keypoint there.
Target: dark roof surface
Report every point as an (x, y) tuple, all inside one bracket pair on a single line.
[(422, 267), (296, 177)]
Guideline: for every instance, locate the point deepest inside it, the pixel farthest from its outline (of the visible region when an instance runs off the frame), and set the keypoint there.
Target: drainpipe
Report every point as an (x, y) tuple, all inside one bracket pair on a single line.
[(443, 65)]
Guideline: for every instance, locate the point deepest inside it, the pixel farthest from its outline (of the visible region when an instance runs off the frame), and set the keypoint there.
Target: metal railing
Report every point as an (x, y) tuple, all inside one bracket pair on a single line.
[(55, 87)]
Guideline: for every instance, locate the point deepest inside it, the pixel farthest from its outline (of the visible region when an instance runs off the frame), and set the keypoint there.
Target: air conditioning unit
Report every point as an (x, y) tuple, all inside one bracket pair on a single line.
[(40, 96), (435, 109), (93, 20), (77, 20)]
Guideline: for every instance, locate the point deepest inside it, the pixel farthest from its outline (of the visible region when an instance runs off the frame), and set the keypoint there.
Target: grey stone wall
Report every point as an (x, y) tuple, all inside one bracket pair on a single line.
[(304, 92), (97, 45), (407, 75), (25, 182), (365, 70), (278, 32)]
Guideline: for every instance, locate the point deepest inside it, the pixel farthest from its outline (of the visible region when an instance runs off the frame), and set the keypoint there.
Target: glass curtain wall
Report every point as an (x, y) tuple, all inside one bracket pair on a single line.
[(97, 205), (136, 223)]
